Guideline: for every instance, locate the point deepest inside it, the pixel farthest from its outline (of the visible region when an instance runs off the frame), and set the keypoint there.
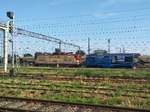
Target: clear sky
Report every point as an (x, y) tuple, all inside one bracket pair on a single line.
[(125, 22)]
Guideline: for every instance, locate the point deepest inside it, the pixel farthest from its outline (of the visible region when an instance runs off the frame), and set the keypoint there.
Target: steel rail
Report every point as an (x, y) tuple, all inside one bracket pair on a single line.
[(5, 109), (79, 77), (78, 87), (70, 91), (91, 79), (71, 75), (81, 105)]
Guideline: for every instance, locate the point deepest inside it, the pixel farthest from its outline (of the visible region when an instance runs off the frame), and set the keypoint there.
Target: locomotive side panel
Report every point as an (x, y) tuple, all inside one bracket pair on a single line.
[(68, 60)]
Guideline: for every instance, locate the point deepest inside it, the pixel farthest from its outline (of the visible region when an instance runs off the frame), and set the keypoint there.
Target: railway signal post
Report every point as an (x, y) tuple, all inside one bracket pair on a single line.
[(10, 15)]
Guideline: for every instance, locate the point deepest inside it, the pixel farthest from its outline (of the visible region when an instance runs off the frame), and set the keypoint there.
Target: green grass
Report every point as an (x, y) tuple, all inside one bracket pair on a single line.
[(115, 97), (88, 72)]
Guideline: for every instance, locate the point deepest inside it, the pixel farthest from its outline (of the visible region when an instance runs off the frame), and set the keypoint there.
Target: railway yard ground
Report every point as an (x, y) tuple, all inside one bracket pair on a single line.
[(75, 90)]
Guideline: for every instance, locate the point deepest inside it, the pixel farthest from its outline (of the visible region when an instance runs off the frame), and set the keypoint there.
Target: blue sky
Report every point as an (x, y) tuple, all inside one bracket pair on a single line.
[(125, 22)]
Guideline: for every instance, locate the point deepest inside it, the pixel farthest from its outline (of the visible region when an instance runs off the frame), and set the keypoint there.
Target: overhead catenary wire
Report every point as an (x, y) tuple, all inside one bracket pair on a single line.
[(43, 37), (81, 16), (116, 33), (98, 22)]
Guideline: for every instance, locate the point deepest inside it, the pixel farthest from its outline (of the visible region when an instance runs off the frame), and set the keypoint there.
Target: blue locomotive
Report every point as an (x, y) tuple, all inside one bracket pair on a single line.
[(112, 60)]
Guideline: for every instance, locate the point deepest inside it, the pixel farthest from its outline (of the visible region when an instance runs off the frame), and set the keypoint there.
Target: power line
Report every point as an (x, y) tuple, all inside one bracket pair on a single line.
[(99, 22), (78, 26), (43, 37), (78, 16), (101, 32)]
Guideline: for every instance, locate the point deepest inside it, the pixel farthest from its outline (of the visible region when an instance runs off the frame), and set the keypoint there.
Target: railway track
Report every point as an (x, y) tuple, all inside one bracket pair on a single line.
[(90, 88), (106, 92), (40, 76), (86, 79), (13, 104), (111, 77)]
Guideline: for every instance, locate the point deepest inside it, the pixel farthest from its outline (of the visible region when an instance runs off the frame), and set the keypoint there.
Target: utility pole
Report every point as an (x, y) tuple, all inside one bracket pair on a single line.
[(10, 15), (109, 45), (120, 49), (4, 29), (124, 51), (60, 46), (5, 51), (89, 46)]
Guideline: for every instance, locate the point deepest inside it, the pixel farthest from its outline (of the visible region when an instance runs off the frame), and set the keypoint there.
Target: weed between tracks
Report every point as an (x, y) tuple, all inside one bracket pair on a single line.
[(95, 92), (87, 71)]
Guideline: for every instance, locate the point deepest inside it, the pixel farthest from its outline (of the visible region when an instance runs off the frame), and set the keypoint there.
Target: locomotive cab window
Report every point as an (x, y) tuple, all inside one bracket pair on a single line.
[(128, 59), (114, 59)]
